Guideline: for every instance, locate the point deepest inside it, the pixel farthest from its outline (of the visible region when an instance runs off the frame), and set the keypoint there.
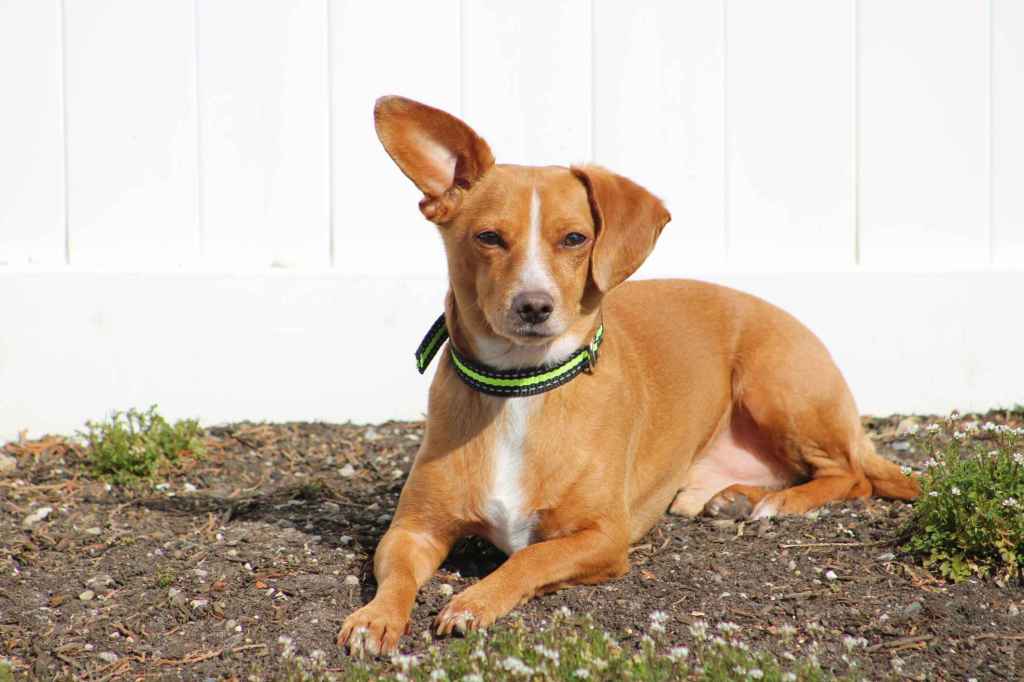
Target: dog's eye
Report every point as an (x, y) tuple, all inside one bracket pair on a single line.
[(574, 239), (489, 238)]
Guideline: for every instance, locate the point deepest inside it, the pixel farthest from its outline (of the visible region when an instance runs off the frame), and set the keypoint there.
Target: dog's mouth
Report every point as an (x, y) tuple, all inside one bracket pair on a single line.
[(529, 331)]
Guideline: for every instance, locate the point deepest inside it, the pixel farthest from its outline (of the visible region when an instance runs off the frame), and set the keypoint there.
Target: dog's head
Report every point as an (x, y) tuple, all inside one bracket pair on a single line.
[(531, 250)]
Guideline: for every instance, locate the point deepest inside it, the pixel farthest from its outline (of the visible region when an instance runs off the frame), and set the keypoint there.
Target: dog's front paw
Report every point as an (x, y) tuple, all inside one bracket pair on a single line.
[(372, 630), (471, 609)]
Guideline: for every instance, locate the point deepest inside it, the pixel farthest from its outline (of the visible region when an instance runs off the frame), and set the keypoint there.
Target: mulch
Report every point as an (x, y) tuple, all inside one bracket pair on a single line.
[(246, 552)]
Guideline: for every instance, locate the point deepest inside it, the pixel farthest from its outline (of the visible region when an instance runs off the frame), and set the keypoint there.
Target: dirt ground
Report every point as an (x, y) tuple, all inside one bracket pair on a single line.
[(202, 577)]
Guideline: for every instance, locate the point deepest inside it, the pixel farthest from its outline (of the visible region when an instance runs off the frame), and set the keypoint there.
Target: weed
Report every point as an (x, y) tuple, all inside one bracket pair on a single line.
[(164, 578), (133, 446), (970, 516), (570, 649)]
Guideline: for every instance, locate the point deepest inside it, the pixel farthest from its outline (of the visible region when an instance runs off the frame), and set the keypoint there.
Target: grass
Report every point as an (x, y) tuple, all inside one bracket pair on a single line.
[(134, 446), (969, 519), (574, 648)]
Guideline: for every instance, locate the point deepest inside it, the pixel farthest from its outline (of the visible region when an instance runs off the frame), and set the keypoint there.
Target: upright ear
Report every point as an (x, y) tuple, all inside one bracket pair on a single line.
[(628, 220), (438, 152)]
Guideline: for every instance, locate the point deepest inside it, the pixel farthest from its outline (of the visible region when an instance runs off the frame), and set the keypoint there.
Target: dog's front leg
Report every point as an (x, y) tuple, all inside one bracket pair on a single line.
[(404, 560), (588, 556)]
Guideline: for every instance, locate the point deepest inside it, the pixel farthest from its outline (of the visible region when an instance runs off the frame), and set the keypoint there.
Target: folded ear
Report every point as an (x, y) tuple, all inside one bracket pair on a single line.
[(628, 220), (438, 152)]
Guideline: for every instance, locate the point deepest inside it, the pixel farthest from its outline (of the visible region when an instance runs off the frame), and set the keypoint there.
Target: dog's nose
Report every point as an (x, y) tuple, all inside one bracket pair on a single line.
[(533, 307)]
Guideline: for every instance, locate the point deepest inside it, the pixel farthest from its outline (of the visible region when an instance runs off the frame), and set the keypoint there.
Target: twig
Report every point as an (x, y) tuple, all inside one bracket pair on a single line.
[(900, 641), (995, 635), (639, 548), (189, 659), (836, 544)]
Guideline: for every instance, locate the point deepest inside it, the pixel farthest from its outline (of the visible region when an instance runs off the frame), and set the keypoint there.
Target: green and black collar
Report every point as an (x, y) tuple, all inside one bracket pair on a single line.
[(509, 383)]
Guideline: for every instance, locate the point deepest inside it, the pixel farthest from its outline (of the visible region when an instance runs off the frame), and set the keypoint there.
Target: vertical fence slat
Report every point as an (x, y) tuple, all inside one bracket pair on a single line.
[(263, 107), (527, 79), (658, 117), (924, 121), (131, 127), (790, 132), (1008, 132), (378, 228), (31, 137)]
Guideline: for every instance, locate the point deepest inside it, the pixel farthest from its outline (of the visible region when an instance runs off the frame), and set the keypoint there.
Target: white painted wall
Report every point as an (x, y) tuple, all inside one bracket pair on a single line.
[(194, 209)]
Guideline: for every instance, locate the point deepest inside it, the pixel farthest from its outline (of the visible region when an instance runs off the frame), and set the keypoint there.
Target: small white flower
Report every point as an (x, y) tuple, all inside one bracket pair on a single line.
[(787, 630), (932, 428), (437, 675), (658, 616), (516, 666), (600, 664), (988, 426), (728, 628), (699, 630), (657, 628), (959, 435), (581, 673), (905, 470), (755, 673), (678, 652), (933, 494), (473, 677), (1018, 457), (1010, 502), (547, 653), (740, 670), (405, 663), (930, 462), (564, 612), (788, 677), (955, 490), (852, 643)]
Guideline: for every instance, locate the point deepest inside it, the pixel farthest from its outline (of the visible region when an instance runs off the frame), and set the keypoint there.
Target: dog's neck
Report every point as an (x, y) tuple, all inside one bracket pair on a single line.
[(473, 338)]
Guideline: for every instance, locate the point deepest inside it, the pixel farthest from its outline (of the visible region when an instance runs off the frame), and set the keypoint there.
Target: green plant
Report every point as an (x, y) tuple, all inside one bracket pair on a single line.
[(572, 648), (164, 578), (132, 446), (970, 516)]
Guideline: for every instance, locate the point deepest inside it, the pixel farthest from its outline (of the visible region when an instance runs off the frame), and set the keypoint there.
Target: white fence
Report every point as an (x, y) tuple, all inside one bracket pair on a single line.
[(195, 211)]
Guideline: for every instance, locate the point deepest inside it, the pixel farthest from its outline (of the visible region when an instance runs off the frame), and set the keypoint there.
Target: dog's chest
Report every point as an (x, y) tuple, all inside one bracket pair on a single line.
[(509, 523)]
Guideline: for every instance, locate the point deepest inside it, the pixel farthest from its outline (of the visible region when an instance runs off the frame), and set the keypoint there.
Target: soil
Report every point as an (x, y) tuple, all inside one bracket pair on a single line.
[(201, 577)]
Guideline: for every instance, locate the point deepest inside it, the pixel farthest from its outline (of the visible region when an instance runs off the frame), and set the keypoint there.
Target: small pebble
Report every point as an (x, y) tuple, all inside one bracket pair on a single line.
[(446, 590), (87, 595), (351, 581), (888, 556), (900, 446), (344, 540), (35, 517), (1014, 611), (371, 435), (831, 575), (189, 488), (101, 580), (347, 471), (912, 610), (107, 657), (95, 530)]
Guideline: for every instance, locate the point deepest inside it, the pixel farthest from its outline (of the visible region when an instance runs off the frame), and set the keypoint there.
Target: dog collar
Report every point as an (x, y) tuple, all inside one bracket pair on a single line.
[(509, 383)]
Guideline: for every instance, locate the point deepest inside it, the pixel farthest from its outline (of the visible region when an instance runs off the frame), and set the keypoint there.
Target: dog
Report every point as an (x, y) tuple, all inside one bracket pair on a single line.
[(570, 409)]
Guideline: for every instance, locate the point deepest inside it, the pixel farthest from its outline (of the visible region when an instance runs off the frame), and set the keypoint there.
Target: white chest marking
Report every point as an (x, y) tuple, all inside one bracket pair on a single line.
[(510, 523)]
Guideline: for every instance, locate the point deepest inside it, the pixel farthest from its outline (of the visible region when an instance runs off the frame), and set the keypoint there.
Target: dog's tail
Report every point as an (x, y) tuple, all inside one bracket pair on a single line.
[(886, 477)]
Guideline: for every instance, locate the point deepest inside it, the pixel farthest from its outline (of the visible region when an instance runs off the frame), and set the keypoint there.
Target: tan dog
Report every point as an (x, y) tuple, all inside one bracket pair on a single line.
[(703, 397)]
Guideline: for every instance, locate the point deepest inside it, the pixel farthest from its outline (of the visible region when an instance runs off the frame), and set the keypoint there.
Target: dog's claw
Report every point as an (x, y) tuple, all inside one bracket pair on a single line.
[(369, 631)]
